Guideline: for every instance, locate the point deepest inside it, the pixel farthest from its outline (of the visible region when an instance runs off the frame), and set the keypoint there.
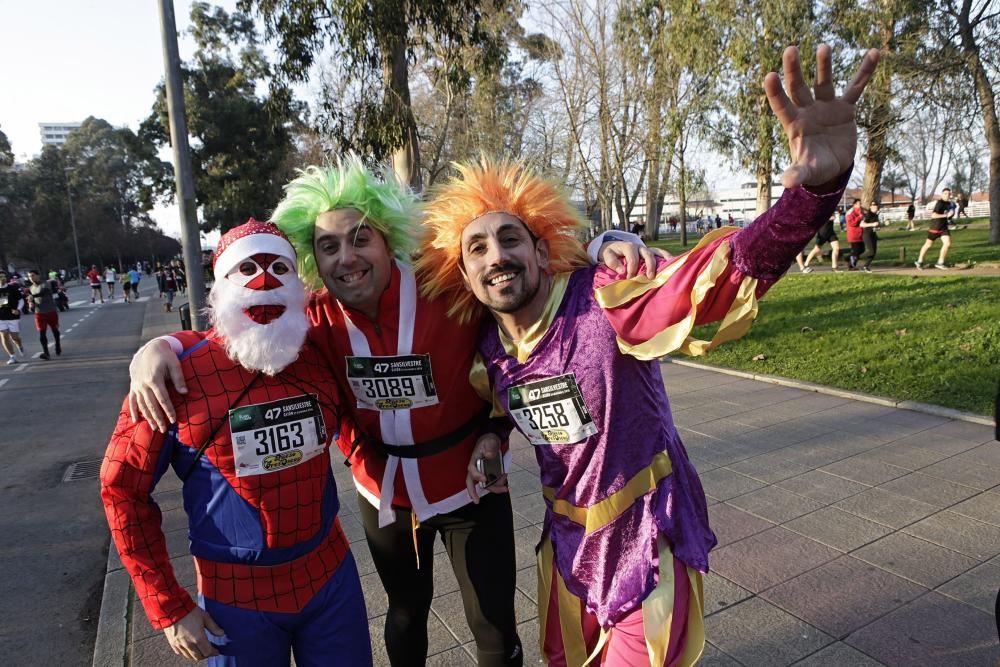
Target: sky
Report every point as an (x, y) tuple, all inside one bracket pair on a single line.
[(64, 60)]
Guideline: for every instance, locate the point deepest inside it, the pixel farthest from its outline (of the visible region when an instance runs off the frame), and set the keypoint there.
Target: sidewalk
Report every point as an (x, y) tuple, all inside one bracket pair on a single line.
[(849, 534)]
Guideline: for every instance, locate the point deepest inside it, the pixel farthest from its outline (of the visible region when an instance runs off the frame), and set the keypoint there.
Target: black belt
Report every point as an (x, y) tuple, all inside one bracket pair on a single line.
[(426, 448), (437, 445)]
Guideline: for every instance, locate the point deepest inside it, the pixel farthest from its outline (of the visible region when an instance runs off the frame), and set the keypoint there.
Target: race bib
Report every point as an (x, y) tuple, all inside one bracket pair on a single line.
[(273, 436), (551, 411), (392, 383)]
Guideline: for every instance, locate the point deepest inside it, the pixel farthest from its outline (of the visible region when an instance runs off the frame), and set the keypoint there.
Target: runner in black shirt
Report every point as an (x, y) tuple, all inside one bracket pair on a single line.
[(938, 230), (10, 316), (826, 234)]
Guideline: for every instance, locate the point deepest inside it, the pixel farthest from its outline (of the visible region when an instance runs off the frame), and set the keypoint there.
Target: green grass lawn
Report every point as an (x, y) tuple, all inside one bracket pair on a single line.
[(968, 245), (932, 339)]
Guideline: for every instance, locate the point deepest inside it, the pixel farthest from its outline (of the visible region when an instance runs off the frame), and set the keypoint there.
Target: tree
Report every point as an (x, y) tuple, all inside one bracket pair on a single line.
[(600, 90), (893, 180), (464, 107), (748, 130), (968, 38), (114, 179), (6, 154), (244, 147), (925, 145), (898, 29), (6, 185), (375, 41)]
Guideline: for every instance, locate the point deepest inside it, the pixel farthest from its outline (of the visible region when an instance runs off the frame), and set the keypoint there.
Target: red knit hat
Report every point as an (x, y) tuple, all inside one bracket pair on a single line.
[(252, 238)]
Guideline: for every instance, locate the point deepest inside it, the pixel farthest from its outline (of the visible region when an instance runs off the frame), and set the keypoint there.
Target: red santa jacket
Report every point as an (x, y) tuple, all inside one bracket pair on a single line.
[(431, 484)]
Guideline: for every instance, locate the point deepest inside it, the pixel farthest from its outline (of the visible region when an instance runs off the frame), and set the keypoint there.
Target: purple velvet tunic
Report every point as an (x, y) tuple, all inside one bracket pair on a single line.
[(614, 568)]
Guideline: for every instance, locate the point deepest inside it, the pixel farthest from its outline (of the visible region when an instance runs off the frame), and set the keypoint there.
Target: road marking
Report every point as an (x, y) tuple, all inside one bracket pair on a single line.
[(3, 382), (20, 367)]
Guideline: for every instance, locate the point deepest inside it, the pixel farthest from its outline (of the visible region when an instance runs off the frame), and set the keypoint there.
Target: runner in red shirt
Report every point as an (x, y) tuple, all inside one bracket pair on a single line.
[(94, 278), (855, 235)]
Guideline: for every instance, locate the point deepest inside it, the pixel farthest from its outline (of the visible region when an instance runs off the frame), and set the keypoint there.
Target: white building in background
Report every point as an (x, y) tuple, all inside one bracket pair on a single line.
[(54, 134), (740, 202)]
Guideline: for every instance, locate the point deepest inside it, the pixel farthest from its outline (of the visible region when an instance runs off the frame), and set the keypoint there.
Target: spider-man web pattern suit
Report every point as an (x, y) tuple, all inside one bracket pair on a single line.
[(273, 565), (267, 543)]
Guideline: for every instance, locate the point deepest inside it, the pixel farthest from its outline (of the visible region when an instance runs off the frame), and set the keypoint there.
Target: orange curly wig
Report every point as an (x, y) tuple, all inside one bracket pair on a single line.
[(487, 187)]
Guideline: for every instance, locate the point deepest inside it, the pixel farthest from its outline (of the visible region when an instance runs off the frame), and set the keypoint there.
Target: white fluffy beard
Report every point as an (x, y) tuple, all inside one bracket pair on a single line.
[(268, 348)]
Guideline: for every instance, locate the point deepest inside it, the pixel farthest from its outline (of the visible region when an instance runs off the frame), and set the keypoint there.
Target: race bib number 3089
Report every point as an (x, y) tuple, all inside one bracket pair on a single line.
[(280, 434), (392, 383), (551, 411)]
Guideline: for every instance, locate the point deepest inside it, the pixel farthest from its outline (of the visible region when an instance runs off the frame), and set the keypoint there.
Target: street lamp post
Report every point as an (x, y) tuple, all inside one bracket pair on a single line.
[(72, 222), (188, 209)]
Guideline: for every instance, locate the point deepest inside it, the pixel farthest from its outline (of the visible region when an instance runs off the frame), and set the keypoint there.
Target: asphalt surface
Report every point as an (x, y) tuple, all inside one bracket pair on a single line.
[(53, 413)]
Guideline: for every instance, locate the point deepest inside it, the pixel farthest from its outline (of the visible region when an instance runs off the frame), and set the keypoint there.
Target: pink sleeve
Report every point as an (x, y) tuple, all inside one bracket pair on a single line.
[(659, 307)]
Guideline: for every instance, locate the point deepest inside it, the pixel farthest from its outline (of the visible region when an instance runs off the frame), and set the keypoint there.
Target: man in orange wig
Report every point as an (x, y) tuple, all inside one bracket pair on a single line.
[(571, 357), (414, 421)]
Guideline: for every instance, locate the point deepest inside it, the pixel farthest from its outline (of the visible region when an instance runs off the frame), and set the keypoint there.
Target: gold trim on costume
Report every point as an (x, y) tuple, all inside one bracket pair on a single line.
[(735, 324), (480, 381), (522, 349), (545, 562), (677, 336), (622, 291), (658, 607), (570, 623), (602, 513), (695, 632)]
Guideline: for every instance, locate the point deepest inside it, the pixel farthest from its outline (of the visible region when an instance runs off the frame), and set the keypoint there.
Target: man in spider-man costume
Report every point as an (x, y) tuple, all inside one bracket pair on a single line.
[(275, 574)]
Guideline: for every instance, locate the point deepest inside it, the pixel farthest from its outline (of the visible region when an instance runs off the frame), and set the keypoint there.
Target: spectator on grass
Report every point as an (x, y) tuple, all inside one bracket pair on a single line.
[(869, 237), (854, 233)]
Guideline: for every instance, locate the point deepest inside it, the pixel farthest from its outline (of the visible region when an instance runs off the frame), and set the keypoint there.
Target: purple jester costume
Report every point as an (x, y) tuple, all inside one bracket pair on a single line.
[(626, 533)]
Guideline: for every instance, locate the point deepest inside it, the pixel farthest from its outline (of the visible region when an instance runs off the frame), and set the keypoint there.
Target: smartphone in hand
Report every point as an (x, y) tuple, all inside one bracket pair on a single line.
[(492, 468)]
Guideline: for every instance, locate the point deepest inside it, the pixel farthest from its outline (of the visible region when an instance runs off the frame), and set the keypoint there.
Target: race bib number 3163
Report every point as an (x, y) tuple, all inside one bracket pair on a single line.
[(551, 411), (280, 434)]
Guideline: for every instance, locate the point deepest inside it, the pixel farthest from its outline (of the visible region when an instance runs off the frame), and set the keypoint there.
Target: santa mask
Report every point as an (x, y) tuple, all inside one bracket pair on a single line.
[(257, 304)]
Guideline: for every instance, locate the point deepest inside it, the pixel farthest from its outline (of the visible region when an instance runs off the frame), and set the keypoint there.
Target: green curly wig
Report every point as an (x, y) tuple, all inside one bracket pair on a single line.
[(386, 204)]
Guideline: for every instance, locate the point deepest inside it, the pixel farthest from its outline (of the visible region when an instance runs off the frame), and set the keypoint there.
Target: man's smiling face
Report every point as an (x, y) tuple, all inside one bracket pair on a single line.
[(502, 262), (353, 259)]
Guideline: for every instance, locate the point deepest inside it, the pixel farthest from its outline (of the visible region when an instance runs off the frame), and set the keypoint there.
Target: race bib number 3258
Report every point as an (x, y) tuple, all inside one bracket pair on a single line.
[(551, 411), (280, 434)]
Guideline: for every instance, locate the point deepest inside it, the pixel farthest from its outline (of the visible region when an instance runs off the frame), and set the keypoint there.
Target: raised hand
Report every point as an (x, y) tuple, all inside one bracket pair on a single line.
[(821, 128)]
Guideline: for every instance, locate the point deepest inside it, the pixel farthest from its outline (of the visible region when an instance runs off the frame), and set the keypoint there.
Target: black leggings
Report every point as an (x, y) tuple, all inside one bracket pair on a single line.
[(867, 248), (479, 540)]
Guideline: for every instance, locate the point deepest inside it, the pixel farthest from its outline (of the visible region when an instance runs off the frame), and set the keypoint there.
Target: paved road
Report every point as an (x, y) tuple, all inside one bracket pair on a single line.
[(54, 546), (850, 534)]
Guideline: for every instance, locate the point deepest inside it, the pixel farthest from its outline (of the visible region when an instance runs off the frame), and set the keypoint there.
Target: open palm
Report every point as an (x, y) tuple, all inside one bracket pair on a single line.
[(821, 128)]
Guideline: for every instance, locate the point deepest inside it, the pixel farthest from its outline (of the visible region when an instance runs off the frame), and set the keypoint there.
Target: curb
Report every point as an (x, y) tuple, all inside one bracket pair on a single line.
[(112, 646), (915, 406)]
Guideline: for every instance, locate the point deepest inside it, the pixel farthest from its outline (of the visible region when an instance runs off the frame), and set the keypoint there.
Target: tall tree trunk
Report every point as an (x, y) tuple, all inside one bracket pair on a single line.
[(765, 157), (682, 197), (987, 102), (872, 186), (653, 200), (879, 119), (406, 158)]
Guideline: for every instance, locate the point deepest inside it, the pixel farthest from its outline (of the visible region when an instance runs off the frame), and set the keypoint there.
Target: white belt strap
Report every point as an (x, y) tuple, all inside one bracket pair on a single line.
[(395, 424)]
